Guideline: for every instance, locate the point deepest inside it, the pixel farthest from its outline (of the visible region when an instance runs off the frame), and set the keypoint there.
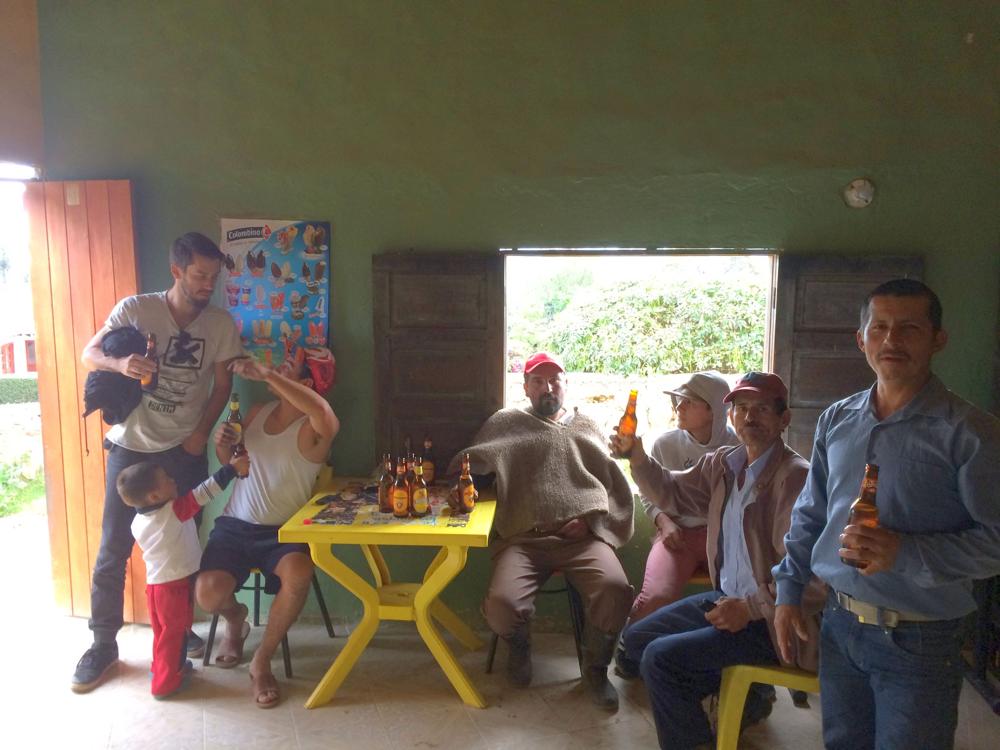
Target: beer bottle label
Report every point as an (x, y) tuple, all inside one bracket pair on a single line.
[(468, 495), (420, 500), (239, 430), (400, 500)]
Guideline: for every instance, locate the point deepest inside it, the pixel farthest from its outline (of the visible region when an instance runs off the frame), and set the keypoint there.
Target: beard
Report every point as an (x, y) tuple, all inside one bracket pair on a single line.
[(196, 302), (547, 405)]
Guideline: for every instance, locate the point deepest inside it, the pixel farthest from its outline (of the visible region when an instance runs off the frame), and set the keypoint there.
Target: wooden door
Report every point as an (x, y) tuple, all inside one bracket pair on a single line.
[(439, 348), (82, 262), (816, 316)]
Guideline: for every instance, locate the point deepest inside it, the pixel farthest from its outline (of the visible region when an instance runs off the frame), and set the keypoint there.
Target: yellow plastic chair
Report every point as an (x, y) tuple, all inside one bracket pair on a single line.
[(733, 694)]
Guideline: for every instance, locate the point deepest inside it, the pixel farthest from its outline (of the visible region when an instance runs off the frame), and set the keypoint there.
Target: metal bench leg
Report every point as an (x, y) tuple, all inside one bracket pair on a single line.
[(322, 606)]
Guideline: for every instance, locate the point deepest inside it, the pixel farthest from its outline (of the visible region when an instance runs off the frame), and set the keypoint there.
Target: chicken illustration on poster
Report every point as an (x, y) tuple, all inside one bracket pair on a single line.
[(277, 284)]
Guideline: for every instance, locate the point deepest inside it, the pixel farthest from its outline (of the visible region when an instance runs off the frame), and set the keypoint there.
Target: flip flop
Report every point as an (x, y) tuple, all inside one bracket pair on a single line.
[(265, 687), (228, 661)]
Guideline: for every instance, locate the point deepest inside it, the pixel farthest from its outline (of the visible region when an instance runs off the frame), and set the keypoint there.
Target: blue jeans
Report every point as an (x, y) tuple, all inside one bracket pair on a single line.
[(107, 590), (681, 658), (888, 688)]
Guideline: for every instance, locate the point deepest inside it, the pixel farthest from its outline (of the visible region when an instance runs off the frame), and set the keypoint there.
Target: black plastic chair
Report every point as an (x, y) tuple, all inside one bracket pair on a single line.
[(575, 614), (257, 587)]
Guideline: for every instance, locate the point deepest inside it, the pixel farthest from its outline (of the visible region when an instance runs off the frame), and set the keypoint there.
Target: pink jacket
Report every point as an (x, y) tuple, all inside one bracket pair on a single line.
[(705, 489)]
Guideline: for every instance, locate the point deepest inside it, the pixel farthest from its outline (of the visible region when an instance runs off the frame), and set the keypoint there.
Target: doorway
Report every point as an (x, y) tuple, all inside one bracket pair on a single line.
[(630, 318)]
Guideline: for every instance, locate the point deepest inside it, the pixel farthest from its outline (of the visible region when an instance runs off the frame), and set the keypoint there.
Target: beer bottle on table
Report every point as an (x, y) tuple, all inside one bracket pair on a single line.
[(420, 504), (410, 474), (466, 489), (385, 482), (628, 423), (149, 381), (864, 512), (428, 460), (400, 491)]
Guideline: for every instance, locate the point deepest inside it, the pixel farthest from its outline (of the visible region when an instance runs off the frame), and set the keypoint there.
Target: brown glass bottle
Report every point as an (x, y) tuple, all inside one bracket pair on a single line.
[(400, 491), (428, 460), (410, 461), (628, 423), (420, 504), (385, 481), (149, 381), (864, 511), (235, 419), (466, 489)]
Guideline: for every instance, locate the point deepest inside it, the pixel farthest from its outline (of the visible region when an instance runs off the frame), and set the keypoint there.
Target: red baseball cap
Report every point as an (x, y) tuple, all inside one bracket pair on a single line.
[(761, 383), (542, 358)]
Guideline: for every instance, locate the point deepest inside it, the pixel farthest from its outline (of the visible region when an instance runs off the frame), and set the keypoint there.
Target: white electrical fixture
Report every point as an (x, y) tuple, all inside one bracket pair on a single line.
[(859, 193)]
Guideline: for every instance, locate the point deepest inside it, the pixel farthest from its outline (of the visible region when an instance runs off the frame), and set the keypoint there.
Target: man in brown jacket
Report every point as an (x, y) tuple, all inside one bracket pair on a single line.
[(747, 493)]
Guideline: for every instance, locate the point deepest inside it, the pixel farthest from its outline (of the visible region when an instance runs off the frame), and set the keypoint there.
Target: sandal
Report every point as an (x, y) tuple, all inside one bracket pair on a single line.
[(265, 691), (228, 661)]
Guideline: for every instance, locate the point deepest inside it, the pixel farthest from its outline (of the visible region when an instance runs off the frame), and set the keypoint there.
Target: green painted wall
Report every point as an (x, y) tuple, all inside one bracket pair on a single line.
[(475, 125)]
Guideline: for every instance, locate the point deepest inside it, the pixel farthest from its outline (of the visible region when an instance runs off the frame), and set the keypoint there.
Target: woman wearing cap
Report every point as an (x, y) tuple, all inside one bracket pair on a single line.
[(679, 545)]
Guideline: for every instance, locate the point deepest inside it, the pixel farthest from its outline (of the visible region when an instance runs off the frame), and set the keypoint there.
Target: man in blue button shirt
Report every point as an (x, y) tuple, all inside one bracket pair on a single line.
[(890, 672)]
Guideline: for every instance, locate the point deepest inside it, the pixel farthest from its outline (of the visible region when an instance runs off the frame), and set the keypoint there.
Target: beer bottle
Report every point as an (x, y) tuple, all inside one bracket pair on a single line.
[(410, 473), (385, 485), (864, 511), (235, 419), (428, 460), (628, 423), (149, 381), (400, 491), (466, 489), (420, 504)]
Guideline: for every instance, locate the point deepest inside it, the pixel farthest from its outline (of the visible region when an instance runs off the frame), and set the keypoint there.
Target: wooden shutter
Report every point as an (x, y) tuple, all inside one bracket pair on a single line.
[(815, 351), (82, 262), (439, 348)]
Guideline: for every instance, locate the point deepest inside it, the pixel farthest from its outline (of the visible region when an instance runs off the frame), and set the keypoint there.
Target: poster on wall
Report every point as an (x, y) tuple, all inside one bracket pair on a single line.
[(277, 284)]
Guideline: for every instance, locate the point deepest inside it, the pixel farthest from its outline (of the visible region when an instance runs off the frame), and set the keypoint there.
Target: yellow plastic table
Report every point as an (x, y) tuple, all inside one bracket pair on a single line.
[(395, 601)]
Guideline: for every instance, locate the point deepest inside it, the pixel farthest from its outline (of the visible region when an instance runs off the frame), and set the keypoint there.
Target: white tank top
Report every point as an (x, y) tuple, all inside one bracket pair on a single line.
[(281, 479)]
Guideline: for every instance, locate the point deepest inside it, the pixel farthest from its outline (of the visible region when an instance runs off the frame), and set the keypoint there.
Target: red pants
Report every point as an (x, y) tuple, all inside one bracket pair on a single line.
[(171, 613)]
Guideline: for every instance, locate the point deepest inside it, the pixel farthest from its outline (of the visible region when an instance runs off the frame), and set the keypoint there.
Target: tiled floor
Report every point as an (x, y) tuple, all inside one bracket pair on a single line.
[(395, 698)]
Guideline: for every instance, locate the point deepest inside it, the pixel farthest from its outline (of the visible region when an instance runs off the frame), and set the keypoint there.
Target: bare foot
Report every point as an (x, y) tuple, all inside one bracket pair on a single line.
[(231, 648), (265, 688)]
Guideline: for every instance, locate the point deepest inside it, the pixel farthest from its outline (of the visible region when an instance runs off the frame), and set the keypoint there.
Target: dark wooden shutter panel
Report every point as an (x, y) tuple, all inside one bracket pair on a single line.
[(816, 317), (439, 348)]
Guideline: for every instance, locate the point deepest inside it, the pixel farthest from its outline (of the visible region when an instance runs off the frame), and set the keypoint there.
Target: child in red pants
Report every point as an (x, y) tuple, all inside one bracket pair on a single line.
[(165, 530)]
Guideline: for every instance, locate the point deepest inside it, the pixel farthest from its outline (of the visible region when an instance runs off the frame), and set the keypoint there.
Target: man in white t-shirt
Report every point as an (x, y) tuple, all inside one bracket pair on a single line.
[(171, 425), (288, 440)]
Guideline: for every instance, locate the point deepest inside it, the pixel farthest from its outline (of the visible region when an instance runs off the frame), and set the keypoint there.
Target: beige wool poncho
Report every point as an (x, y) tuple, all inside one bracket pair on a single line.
[(550, 472)]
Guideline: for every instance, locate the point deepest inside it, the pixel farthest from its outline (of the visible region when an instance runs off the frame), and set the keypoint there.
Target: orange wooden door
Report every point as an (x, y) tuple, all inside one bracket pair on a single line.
[(82, 262)]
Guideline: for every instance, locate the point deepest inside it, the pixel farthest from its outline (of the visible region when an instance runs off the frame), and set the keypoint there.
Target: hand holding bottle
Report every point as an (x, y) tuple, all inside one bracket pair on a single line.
[(241, 462), (226, 436), (623, 446)]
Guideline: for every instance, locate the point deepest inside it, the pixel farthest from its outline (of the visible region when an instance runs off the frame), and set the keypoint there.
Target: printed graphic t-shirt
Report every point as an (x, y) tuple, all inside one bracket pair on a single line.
[(186, 359)]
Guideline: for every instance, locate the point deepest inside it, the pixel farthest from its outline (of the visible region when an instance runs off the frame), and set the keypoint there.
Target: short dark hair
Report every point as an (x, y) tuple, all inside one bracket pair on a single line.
[(905, 288), (185, 247), (135, 482)]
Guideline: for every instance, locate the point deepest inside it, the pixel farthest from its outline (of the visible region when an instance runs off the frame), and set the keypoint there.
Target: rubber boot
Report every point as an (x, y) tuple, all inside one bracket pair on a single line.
[(519, 657), (598, 648)]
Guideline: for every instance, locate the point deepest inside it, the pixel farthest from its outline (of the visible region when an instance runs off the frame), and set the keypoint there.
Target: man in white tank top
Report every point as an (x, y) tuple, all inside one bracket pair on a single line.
[(288, 440)]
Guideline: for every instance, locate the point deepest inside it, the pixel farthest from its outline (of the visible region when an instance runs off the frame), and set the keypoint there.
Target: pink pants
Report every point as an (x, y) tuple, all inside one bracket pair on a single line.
[(667, 571)]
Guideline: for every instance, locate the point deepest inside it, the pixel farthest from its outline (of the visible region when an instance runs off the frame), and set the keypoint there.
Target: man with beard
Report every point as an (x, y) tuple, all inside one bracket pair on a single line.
[(171, 425), (890, 669), (746, 493), (562, 504)]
